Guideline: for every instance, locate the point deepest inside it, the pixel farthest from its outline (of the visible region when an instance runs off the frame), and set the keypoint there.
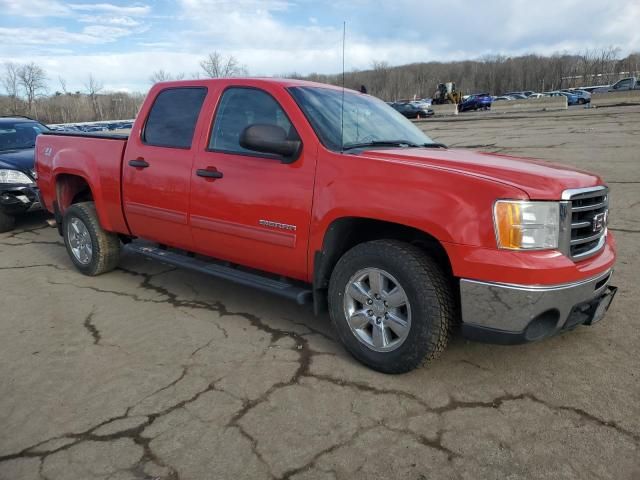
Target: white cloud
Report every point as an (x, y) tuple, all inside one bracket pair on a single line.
[(109, 20), (118, 71), (33, 8), (93, 34), (198, 7), (284, 36), (133, 10)]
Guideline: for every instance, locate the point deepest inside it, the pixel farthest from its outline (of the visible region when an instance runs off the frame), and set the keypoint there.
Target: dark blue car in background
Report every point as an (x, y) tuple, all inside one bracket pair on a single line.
[(477, 101), (18, 191)]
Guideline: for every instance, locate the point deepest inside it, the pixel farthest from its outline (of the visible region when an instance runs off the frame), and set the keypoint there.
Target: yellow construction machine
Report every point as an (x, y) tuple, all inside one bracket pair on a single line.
[(446, 93)]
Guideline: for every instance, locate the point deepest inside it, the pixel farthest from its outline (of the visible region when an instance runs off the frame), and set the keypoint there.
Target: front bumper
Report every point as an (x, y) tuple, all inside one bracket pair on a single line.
[(511, 314), (17, 199)]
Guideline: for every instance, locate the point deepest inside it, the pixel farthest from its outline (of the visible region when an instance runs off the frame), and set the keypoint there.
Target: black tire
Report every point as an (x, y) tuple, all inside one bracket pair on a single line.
[(581, 101), (105, 245), (7, 222), (427, 289)]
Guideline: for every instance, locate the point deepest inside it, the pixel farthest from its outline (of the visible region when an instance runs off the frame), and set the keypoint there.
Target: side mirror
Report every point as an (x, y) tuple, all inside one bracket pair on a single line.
[(268, 138)]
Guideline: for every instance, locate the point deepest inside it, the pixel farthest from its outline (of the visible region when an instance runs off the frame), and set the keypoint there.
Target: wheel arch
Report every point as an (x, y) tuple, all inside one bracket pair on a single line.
[(70, 189), (347, 232)]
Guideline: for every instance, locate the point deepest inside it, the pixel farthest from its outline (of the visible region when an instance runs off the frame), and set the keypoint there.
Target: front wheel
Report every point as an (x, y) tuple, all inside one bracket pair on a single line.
[(92, 250), (391, 305)]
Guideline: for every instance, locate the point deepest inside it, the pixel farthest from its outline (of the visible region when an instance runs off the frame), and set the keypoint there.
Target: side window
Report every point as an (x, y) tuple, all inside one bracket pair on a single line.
[(239, 108), (626, 83), (173, 117)]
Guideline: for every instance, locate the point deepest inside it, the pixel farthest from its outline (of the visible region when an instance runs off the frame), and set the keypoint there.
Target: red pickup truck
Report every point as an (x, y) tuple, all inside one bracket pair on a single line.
[(332, 197)]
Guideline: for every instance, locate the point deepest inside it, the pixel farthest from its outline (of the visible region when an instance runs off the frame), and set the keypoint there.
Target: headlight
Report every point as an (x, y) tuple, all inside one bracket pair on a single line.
[(524, 225), (14, 176)]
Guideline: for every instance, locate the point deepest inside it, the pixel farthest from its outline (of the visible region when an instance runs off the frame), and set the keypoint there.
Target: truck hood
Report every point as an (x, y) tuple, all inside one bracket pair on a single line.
[(539, 179), (17, 159)]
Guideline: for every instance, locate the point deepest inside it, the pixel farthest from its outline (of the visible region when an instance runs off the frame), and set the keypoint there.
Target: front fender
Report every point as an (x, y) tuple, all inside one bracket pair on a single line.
[(450, 206)]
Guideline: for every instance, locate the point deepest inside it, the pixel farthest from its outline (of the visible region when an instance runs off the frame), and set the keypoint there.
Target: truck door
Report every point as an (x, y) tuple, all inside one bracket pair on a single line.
[(254, 209), (156, 171)]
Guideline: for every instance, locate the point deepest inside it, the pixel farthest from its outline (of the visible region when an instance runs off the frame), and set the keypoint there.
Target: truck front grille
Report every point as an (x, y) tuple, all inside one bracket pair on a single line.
[(589, 209)]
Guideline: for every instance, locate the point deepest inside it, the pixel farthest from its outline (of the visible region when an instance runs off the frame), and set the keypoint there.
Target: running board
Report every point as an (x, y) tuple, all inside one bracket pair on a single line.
[(291, 291)]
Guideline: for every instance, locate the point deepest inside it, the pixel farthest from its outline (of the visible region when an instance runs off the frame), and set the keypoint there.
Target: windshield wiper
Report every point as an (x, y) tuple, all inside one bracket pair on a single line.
[(434, 145), (393, 143), (381, 143)]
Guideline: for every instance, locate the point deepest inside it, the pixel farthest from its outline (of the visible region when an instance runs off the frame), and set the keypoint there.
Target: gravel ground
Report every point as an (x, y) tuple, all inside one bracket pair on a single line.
[(155, 373)]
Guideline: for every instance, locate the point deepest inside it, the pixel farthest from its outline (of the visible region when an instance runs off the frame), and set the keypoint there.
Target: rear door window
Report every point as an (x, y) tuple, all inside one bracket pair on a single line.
[(173, 117)]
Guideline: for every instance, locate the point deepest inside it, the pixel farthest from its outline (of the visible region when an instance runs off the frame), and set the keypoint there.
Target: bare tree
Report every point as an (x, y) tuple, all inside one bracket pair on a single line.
[(32, 78), (217, 65), (94, 87), (164, 76), (63, 85), (11, 84), (160, 76)]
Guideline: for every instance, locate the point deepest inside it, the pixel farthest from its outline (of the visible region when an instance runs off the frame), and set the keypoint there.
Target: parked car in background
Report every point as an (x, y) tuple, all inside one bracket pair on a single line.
[(502, 98), (525, 94), (426, 106), (477, 101), (536, 95), (572, 99), (629, 83), (18, 191), (584, 97), (410, 110)]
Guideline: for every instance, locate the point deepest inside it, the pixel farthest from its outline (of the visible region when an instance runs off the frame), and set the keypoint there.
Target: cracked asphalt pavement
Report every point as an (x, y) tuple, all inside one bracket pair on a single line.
[(151, 372)]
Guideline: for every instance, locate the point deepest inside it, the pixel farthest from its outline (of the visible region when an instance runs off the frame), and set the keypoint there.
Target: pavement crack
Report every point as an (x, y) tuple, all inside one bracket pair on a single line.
[(499, 401), (477, 365), (33, 242), (307, 466), (436, 444), (180, 377), (41, 265), (15, 233), (254, 447), (365, 387), (91, 327)]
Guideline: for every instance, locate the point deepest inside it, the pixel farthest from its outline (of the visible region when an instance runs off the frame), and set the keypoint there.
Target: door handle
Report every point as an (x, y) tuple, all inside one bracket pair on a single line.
[(138, 163), (207, 173)]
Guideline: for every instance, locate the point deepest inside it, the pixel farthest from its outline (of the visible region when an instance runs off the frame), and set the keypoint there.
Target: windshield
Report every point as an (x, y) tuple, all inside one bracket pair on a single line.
[(367, 120), (19, 135)]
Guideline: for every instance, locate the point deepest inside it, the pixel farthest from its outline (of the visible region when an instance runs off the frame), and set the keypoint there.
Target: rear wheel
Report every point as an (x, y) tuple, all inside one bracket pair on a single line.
[(92, 250), (6, 222), (391, 305)]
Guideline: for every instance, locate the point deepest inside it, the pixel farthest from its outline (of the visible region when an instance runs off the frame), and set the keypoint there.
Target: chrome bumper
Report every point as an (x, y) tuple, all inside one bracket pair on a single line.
[(521, 313)]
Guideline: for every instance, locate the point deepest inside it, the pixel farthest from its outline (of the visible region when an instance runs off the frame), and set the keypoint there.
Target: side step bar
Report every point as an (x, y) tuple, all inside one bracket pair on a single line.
[(299, 294)]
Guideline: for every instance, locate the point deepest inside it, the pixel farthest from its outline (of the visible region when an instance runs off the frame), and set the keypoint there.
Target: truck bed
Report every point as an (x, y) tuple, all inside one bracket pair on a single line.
[(111, 136), (93, 158)]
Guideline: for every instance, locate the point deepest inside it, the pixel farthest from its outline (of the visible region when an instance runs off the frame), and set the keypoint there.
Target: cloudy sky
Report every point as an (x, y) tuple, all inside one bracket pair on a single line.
[(121, 42)]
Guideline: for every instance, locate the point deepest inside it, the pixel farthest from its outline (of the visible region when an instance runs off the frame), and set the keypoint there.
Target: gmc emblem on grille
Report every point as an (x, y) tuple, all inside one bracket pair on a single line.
[(599, 222)]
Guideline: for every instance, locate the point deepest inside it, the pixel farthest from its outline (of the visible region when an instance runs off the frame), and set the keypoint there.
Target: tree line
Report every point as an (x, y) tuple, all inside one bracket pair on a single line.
[(26, 85), (26, 92), (492, 74)]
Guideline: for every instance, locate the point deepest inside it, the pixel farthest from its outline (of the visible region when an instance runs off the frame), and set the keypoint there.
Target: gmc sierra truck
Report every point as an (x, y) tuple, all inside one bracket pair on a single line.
[(332, 197)]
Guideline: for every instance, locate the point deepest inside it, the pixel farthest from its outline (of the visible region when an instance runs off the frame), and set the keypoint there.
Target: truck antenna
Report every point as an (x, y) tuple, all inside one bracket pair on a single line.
[(344, 34)]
